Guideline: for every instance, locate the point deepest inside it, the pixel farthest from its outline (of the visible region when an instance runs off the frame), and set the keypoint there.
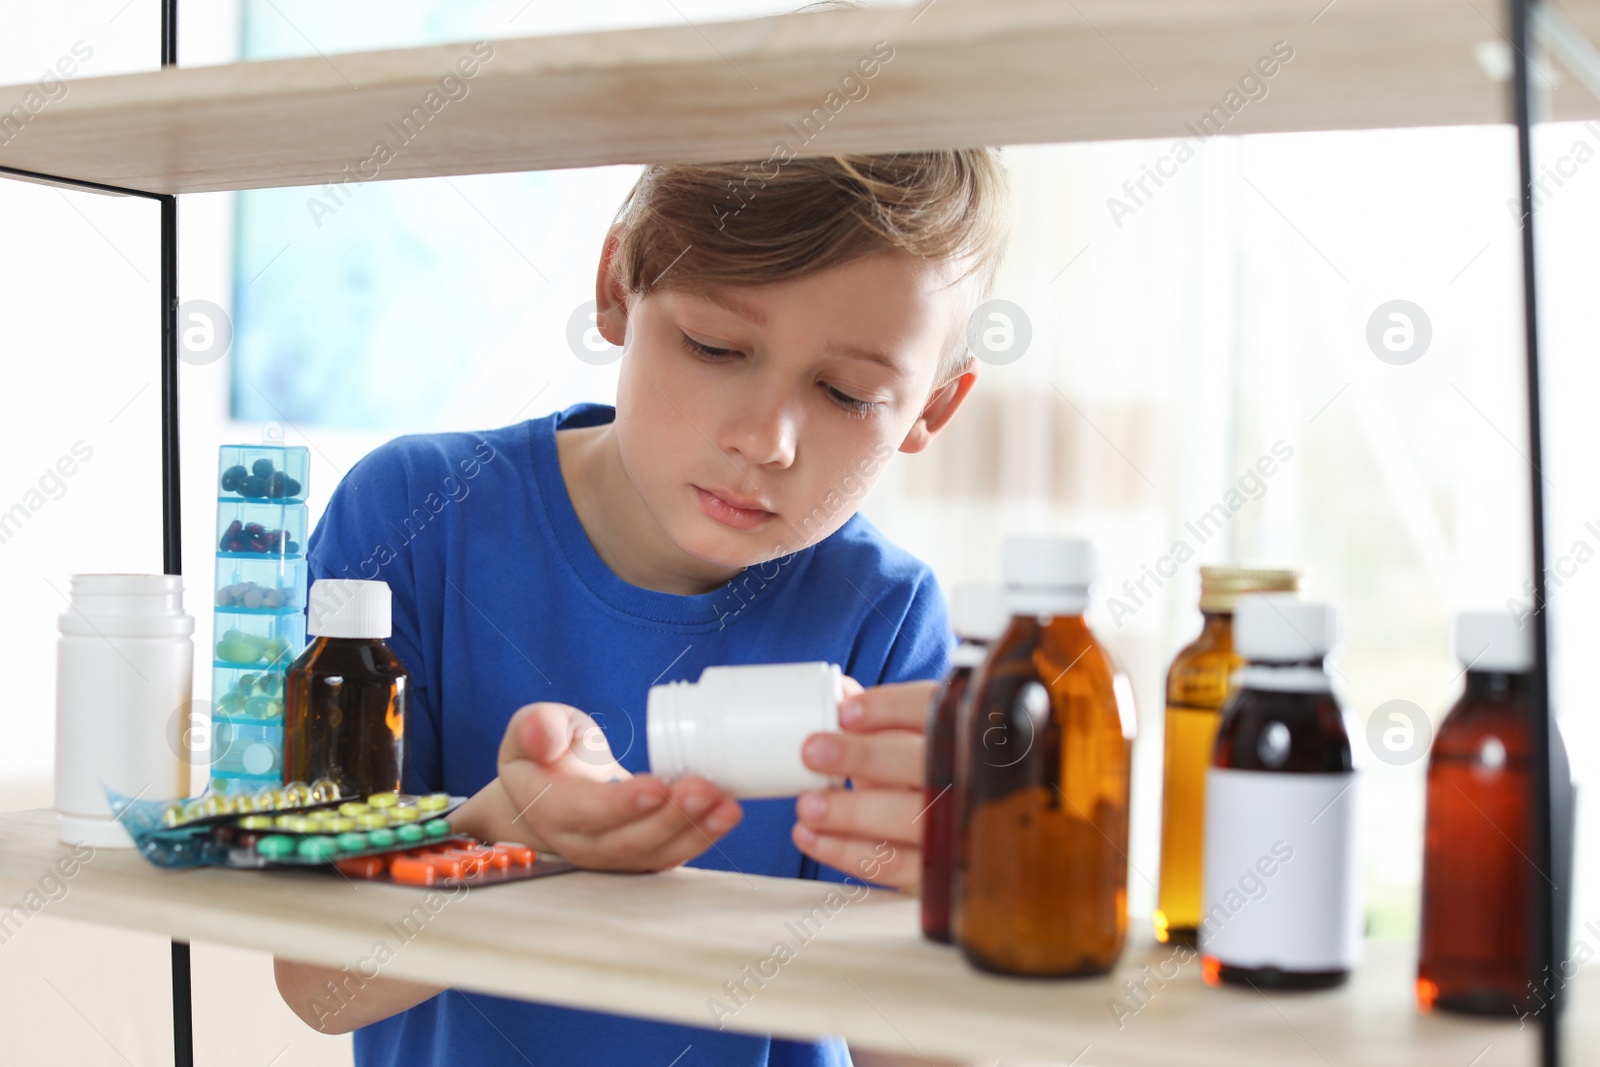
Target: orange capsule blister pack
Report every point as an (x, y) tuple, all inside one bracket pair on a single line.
[(456, 861)]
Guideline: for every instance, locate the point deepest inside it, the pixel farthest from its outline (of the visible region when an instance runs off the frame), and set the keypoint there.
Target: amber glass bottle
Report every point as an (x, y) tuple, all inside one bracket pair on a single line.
[(1281, 871), (978, 616), (344, 715), (1197, 686), (1041, 887), (1477, 950)]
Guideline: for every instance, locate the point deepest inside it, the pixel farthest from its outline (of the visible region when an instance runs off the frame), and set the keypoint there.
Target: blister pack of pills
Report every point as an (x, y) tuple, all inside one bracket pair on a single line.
[(452, 863), (390, 837)]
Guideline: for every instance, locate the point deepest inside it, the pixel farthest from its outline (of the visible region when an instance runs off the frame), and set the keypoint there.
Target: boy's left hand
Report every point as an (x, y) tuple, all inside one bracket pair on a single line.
[(872, 830)]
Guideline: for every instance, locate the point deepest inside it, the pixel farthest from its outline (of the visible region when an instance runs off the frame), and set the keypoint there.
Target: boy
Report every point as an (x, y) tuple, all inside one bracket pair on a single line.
[(776, 354)]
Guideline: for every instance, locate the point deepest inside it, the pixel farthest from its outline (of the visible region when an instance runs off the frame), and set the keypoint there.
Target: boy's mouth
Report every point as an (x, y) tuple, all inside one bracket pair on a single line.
[(733, 510)]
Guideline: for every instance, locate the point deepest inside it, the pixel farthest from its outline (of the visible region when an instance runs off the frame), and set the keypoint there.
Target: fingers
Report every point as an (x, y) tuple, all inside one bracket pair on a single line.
[(888, 757), (547, 801), (877, 814), (901, 706), (693, 819), (634, 825), (540, 732), (889, 864)]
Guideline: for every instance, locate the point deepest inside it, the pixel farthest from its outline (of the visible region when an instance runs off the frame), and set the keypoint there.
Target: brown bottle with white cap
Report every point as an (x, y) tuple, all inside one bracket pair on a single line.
[(1281, 891), (978, 616), (1042, 879), (1477, 949), (345, 707)]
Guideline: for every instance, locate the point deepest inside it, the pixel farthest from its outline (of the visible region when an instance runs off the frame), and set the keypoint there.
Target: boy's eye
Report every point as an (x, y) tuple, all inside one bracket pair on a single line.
[(710, 354), (850, 403), (706, 352)]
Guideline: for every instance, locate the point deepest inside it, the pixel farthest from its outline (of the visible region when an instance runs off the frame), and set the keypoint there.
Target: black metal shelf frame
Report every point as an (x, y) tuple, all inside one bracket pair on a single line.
[(1521, 13)]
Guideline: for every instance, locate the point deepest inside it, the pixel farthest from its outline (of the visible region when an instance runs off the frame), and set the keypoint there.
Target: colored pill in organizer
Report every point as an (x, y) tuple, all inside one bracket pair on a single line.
[(384, 800), (440, 862), (482, 855), (400, 815), (363, 866), (353, 808), (317, 848), (256, 822), (352, 841), (409, 832), (340, 825), (434, 801), (521, 855), (436, 827), (276, 846), (382, 837)]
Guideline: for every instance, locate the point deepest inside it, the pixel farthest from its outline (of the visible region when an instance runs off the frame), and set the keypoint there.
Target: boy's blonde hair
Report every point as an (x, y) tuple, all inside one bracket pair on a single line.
[(701, 225)]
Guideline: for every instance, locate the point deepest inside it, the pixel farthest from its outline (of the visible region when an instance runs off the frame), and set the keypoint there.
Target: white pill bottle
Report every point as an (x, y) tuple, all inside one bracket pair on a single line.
[(124, 686), (742, 727)]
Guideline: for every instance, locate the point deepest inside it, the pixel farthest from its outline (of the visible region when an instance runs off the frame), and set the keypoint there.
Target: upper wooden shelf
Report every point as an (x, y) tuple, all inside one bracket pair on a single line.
[(962, 73), (662, 946)]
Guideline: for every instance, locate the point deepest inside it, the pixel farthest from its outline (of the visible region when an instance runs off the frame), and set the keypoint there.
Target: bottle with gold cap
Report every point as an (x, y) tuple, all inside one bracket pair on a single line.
[(1197, 687)]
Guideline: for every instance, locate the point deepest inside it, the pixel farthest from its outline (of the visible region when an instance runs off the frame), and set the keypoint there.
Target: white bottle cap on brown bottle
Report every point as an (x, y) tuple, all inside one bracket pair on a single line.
[(1048, 575), (349, 607), (1492, 641)]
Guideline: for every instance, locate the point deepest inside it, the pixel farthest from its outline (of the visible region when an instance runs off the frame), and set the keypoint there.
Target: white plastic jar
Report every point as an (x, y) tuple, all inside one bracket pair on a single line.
[(742, 727), (124, 685)]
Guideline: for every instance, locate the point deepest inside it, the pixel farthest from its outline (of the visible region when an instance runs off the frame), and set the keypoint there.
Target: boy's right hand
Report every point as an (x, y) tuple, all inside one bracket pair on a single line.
[(568, 791)]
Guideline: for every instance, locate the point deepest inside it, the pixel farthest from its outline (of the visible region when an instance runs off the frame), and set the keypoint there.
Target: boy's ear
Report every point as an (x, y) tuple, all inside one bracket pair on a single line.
[(610, 300), (939, 410)]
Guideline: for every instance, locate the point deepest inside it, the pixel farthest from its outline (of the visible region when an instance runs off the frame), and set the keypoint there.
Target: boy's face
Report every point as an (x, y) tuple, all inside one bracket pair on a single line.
[(752, 420)]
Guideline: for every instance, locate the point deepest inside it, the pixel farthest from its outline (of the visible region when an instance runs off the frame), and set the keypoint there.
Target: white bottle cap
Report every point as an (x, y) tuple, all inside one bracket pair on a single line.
[(978, 611), (349, 607), (1492, 641), (1282, 628), (1048, 575)]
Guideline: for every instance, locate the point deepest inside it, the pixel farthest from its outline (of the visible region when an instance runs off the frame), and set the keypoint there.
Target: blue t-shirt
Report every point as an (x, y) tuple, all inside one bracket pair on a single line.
[(500, 600)]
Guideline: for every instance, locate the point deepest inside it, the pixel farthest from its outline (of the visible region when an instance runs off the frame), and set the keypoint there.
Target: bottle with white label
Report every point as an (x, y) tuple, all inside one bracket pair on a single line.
[(1281, 897)]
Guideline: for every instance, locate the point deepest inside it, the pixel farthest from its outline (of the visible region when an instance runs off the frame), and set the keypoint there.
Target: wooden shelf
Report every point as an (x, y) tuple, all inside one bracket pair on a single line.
[(662, 946), (963, 73)]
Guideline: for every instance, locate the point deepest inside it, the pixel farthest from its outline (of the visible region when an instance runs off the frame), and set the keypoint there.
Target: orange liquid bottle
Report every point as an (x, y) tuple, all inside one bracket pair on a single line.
[(1041, 887), (1197, 686), (978, 616), (1477, 946)]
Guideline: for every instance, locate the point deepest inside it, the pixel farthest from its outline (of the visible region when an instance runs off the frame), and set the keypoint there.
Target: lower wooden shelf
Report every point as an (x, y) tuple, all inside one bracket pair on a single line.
[(792, 957)]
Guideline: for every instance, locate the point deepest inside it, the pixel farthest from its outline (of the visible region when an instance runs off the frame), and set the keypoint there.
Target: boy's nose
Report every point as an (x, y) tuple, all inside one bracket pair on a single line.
[(763, 434)]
